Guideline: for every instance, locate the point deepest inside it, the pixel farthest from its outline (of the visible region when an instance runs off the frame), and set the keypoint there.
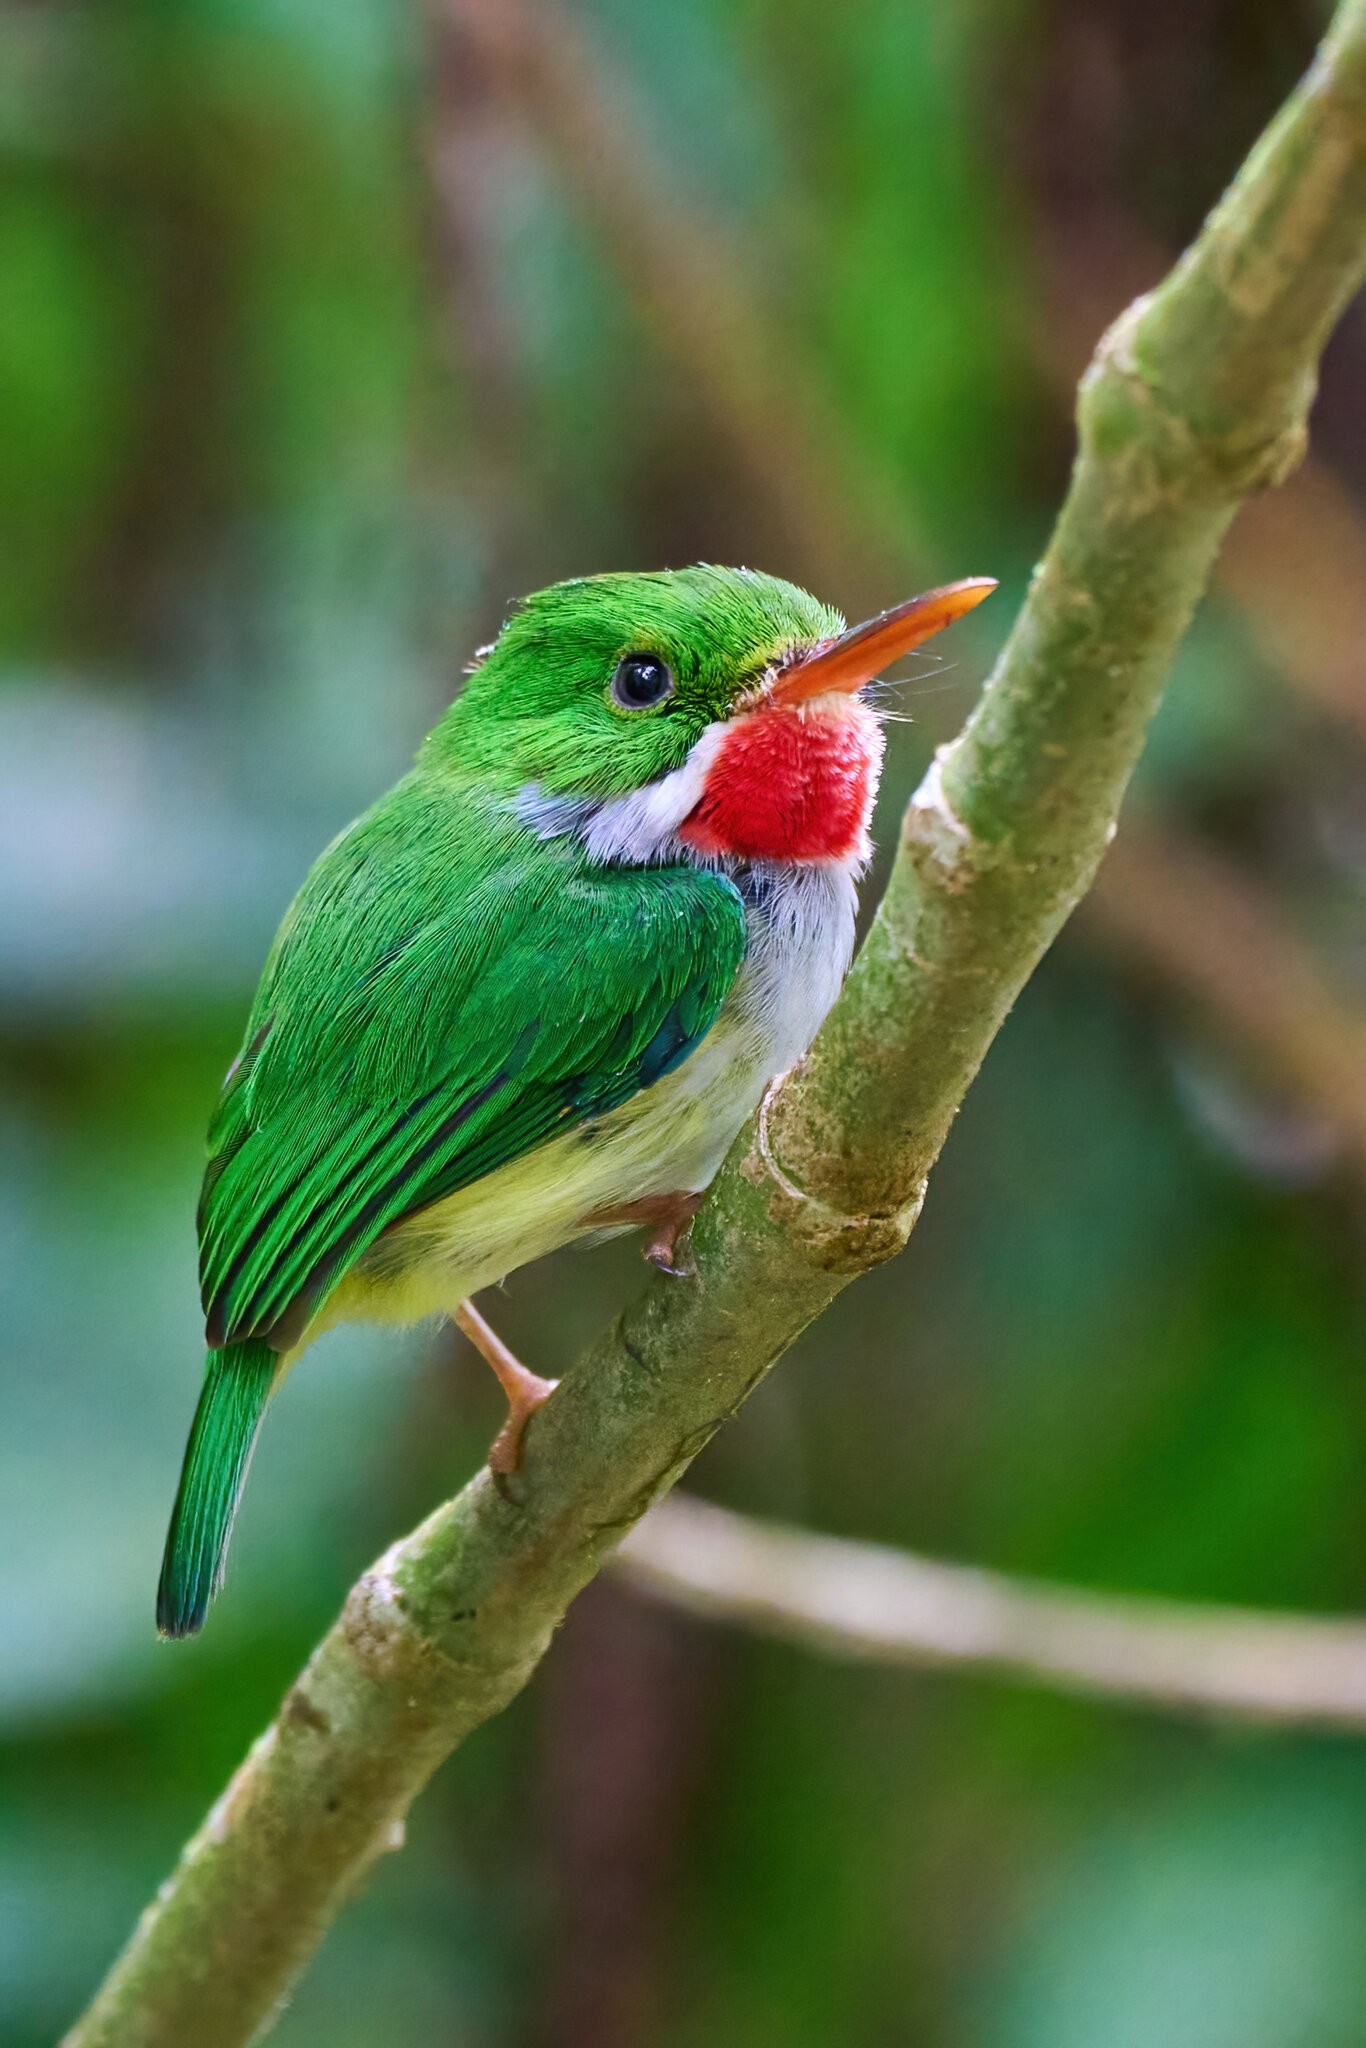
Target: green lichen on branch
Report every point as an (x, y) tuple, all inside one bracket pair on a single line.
[(1197, 396)]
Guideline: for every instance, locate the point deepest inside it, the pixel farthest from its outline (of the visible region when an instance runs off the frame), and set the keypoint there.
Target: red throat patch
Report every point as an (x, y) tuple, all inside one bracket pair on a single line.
[(790, 784)]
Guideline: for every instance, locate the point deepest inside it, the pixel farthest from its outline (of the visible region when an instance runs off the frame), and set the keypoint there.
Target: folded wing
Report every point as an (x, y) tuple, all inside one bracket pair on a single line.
[(411, 1035)]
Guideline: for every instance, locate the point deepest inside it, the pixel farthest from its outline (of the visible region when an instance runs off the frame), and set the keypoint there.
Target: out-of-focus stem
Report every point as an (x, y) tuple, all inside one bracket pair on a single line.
[(872, 1604), (703, 306)]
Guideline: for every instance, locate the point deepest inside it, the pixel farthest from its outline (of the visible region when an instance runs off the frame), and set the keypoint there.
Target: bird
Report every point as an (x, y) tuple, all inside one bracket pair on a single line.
[(532, 994)]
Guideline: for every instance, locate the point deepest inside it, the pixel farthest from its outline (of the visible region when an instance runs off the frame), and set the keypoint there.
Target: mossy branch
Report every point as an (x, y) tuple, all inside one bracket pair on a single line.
[(1197, 397)]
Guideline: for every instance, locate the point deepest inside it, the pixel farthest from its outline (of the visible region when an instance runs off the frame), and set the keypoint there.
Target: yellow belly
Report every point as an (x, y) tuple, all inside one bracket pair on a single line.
[(670, 1138)]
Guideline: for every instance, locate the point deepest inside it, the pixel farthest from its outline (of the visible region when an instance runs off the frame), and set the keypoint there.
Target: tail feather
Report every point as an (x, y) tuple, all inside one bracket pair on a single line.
[(237, 1385)]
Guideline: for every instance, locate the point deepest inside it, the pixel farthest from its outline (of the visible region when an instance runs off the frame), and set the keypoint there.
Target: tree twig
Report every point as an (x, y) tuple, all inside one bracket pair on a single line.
[(1295, 563), (873, 1604), (1195, 398)]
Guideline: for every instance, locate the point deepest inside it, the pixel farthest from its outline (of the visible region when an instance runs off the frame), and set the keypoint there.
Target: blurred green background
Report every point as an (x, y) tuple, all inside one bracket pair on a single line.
[(315, 350)]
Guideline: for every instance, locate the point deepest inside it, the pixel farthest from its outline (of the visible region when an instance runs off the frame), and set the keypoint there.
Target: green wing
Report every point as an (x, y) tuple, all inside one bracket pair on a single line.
[(418, 1027)]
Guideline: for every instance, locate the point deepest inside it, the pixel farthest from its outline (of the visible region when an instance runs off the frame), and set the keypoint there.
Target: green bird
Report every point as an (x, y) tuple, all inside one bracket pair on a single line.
[(532, 995)]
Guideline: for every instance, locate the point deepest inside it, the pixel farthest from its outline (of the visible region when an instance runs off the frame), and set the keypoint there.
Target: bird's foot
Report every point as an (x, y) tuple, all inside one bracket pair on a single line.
[(663, 1249), (525, 1389), (670, 1216)]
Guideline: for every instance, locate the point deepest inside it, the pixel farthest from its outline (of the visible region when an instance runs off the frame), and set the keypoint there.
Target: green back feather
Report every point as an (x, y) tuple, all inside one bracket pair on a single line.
[(451, 992)]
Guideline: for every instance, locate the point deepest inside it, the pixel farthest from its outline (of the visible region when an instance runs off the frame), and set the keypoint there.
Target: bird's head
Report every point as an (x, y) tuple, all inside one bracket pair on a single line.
[(705, 711)]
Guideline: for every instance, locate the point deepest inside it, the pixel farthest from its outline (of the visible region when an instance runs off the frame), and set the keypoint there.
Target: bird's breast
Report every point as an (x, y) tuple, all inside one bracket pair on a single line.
[(791, 784)]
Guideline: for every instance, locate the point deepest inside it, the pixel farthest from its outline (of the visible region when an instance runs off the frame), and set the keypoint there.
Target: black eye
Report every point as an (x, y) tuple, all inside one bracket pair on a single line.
[(640, 681)]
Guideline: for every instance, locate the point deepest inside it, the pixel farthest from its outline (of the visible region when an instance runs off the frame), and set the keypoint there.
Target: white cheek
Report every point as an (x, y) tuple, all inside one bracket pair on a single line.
[(640, 826)]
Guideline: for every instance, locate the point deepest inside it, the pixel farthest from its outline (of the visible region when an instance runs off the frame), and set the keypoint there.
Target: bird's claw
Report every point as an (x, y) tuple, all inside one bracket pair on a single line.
[(670, 1216), (663, 1254), (662, 1251)]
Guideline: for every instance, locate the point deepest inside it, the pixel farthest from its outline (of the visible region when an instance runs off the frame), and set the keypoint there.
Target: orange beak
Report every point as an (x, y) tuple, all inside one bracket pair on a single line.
[(865, 651)]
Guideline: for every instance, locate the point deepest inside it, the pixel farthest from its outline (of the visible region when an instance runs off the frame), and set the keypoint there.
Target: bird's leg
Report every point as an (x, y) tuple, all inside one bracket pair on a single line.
[(525, 1390), (670, 1215)]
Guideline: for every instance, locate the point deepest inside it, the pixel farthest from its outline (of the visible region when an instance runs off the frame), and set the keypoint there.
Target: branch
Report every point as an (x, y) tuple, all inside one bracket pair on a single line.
[(1295, 564), (1197, 397), (883, 1606)]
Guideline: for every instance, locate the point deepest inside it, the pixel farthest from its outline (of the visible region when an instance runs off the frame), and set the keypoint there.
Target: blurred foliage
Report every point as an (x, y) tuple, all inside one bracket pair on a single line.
[(277, 445)]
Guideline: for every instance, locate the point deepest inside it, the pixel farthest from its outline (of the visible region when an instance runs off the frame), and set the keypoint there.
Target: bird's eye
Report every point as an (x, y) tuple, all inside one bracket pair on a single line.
[(641, 680)]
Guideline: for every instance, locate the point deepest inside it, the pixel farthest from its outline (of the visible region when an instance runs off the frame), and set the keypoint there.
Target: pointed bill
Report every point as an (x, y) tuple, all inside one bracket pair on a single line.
[(865, 651)]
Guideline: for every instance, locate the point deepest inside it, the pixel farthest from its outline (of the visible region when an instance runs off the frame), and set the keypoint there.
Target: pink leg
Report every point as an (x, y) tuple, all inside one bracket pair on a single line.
[(525, 1390), (670, 1216)]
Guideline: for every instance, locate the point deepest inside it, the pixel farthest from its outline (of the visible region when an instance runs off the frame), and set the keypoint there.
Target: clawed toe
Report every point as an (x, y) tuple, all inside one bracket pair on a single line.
[(670, 1215)]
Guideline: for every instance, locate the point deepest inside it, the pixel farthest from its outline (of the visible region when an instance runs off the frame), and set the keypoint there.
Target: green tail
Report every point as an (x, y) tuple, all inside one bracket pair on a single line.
[(236, 1388)]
